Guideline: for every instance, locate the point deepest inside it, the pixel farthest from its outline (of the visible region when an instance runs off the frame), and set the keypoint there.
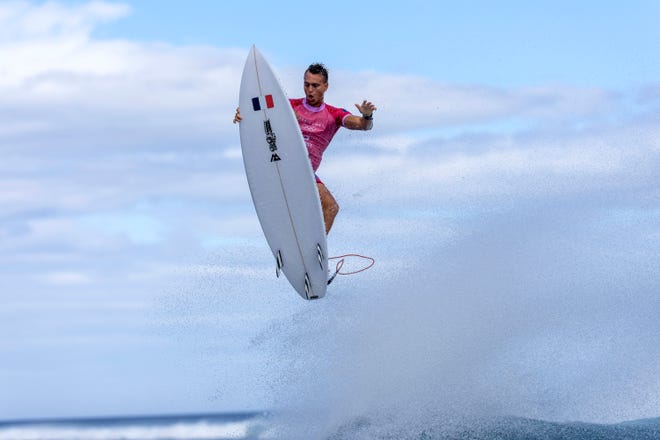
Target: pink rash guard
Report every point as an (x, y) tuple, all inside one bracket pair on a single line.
[(318, 126)]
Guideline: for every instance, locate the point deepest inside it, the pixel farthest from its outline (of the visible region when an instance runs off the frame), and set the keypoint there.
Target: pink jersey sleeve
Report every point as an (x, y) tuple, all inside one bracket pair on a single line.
[(339, 114)]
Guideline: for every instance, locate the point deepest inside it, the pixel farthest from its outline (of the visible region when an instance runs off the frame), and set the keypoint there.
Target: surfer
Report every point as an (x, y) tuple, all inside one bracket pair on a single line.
[(318, 123)]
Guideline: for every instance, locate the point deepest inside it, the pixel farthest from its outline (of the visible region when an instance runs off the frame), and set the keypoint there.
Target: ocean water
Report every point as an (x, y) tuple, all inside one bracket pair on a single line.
[(262, 426), (182, 427)]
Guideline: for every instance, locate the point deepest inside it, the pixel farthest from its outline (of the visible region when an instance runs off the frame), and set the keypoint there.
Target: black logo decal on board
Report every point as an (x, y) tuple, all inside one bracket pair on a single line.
[(271, 139)]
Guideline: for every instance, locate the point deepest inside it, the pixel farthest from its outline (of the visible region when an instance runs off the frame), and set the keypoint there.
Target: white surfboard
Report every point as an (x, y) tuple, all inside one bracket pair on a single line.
[(281, 180)]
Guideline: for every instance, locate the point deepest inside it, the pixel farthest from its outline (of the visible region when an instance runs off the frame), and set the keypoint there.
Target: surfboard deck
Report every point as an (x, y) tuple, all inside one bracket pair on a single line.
[(281, 179)]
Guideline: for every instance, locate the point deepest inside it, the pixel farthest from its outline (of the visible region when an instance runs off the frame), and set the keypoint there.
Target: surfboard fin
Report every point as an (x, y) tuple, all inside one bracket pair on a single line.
[(308, 287), (280, 264), (319, 254)]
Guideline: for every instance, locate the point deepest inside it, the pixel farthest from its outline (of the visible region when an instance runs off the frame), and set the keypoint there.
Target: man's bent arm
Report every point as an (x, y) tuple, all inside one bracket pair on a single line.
[(353, 122)]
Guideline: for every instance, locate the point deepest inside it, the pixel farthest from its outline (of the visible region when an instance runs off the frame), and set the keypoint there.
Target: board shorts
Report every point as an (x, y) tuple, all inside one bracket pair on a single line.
[(317, 179)]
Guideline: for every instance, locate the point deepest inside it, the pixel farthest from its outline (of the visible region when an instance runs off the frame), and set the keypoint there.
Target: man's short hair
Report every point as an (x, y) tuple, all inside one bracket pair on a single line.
[(318, 68)]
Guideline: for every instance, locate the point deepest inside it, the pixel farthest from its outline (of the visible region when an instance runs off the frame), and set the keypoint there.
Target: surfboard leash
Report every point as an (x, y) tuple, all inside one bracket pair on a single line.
[(340, 264)]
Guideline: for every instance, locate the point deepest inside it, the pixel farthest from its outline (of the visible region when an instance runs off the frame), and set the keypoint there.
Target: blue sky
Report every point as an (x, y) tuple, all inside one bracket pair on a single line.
[(508, 191), (512, 42)]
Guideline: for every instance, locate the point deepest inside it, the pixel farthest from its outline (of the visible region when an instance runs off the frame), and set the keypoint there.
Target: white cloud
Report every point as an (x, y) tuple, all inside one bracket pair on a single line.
[(25, 20), (410, 102), (67, 278), (56, 79)]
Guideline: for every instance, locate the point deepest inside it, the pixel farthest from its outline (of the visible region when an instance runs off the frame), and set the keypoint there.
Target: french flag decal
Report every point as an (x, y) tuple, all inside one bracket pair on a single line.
[(257, 102)]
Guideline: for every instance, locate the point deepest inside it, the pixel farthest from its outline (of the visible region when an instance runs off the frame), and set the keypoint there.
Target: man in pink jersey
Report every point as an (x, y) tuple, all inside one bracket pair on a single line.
[(319, 122)]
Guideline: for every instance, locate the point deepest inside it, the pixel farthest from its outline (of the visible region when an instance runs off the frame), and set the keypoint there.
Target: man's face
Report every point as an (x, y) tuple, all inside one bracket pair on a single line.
[(315, 88)]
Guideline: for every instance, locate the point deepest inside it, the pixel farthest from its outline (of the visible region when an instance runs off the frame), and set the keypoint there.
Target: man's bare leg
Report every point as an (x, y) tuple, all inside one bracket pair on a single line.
[(329, 206)]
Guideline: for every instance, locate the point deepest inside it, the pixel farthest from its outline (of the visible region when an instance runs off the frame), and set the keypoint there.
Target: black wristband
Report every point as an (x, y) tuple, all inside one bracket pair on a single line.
[(368, 118)]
